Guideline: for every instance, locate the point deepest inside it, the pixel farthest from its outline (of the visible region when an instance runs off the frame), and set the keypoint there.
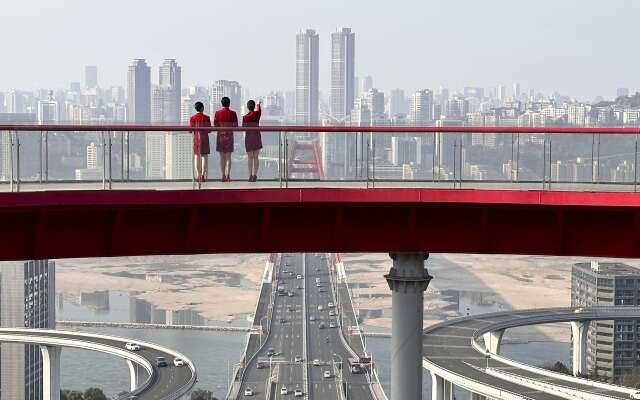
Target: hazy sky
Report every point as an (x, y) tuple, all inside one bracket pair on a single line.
[(579, 47)]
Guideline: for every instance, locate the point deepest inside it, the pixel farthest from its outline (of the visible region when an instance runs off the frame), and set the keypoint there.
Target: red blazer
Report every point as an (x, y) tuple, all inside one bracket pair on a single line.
[(252, 118), (225, 117)]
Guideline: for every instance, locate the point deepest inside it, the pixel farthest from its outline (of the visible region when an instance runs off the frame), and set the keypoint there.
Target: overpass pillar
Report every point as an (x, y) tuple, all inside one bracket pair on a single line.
[(437, 387), (50, 372), (579, 331), (408, 279), (133, 375), (492, 340)]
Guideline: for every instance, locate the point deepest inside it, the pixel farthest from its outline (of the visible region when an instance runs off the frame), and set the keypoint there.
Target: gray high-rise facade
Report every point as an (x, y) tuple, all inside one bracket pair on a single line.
[(170, 84), (307, 77), (27, 300), (421, 107), (90, 76), (139, 92), (343, 83), (612, 346)]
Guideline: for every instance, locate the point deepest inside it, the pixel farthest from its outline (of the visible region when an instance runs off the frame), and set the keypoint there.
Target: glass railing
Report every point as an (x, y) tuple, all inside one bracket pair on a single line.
[(158, 156)]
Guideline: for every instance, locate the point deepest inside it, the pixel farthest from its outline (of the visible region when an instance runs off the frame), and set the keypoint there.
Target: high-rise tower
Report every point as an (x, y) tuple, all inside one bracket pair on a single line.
[(170, 84), (139, 92), (343, 82), (307, 77), (27, 298)]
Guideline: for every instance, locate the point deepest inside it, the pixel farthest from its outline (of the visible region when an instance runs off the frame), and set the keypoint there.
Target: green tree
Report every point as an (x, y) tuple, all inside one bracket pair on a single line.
[(201, 394), (94, 394), (71, 395)]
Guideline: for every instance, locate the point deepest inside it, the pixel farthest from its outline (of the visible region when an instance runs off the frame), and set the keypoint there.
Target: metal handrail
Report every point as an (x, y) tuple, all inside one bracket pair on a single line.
[(320, 128)]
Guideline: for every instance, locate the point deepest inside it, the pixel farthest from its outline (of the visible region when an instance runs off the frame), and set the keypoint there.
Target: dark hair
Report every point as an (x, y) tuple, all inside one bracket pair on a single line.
[(199, 106), (251, 105), (226, 102)]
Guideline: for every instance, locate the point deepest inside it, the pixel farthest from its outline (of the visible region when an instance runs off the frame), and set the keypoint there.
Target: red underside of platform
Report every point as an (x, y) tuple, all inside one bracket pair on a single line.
[(39, 225)]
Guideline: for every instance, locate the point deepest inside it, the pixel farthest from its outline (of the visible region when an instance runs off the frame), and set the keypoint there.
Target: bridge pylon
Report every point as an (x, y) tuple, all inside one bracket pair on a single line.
[(408, 279)]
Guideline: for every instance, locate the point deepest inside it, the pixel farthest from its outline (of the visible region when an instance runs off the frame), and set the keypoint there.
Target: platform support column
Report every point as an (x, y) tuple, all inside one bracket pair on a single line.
[(408, 279), (50, 372), (579, 331)]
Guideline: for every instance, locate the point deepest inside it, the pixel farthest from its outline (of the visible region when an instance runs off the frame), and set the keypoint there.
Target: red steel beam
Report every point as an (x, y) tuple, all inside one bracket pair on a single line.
[(62, 224), (329, 129)]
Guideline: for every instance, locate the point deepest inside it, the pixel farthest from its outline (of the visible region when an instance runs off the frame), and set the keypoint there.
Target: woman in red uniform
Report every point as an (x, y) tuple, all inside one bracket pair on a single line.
[(252, 140), (224, 141), (200, 142)]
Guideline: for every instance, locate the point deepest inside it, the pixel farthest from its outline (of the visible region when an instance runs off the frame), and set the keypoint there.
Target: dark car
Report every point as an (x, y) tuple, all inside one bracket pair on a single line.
[(260, 365), (271, 352), (161, 362)]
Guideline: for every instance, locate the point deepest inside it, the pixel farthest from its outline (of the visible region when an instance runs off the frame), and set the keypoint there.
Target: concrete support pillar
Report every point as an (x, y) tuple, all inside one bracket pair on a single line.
[(50, 372), (437, 387), (448, 390), (579, 341), (408, 279), (133, 375), (492, 341)]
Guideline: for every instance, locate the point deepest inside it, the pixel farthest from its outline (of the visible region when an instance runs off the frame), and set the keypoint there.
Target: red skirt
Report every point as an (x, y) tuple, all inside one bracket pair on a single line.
[(224, 142), (252, 141), (201, 143)]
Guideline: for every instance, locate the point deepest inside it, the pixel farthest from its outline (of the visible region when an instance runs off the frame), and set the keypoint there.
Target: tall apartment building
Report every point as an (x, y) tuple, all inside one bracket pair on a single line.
[(223, 88), (92, 156), (5, 156), (90, 76), (27, 300), (307, 77), (612, 346), (170, 83), (343, 83), (139, 92), (48, 110), (421, 107)]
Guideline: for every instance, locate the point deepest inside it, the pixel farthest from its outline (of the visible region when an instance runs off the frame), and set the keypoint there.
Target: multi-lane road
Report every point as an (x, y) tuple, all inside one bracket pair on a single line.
[(309, 353)]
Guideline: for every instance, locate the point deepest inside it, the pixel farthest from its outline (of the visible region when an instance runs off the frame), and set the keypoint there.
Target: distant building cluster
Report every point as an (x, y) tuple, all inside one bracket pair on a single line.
[(349, 100)]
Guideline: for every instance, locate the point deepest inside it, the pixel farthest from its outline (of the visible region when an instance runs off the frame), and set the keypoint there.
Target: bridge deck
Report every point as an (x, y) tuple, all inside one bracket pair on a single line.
[(59, 224)]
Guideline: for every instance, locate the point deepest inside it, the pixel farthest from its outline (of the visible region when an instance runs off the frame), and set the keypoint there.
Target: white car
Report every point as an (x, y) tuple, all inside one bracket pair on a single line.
[(284, 390), (635, 396), (178, 362), (316, 362), (298, 359), (332, 313), (298, 276), (298, 393), (327, 374), (248, 392), (330, 305), (132, 346)]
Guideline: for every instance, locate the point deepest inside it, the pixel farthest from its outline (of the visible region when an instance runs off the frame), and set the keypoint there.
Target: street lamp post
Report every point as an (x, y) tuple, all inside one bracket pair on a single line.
[(340, 372), (487, 356)]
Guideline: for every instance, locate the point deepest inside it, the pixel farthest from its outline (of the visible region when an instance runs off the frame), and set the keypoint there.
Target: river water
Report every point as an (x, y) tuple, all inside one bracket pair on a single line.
[(214, 353)]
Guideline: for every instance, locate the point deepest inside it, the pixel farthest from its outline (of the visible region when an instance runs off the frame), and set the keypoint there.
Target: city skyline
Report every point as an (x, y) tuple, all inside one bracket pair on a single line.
[(566, 34)]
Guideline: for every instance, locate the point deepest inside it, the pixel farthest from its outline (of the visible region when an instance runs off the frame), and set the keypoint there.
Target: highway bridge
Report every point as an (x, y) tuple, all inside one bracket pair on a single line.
[(148, 381), (465, 352), (304, 347)]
